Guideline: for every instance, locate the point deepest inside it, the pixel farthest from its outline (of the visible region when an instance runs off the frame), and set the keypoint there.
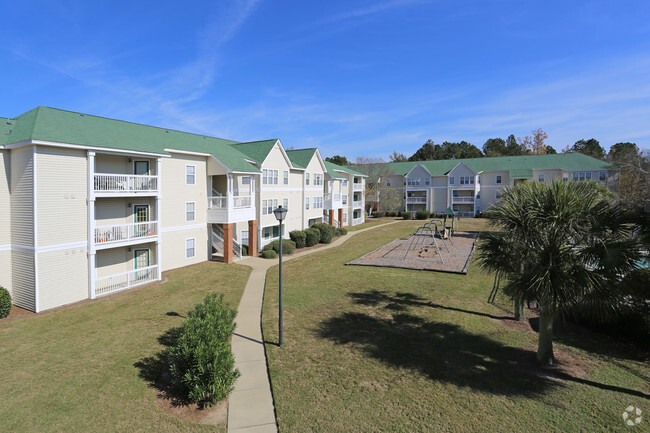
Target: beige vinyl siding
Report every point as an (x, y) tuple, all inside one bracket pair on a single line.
[(116, 211), (118, 164), (417, 172), (5, 269), (22, 280), (490, 178), (461, 170), (113, 261), (56, 288), (22, 197), (439, 181), (173, 251), (61, 196), (176, 193), (438, 200)]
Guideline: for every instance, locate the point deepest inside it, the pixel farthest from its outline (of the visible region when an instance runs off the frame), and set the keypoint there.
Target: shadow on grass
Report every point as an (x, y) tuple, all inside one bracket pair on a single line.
[(402, 300), (155, 370)]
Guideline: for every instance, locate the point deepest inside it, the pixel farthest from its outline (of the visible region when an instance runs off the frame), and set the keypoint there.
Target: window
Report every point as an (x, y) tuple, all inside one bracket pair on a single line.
[(190, 174), (190, 211), (268, 206), (269, 177), (318, 202), (306, 202), (388, 183), (455, 193), (498, 194), (498, 179), (467, 180), (285, 203), (413, 181), (246, 180), (579, 176), (306, 178), (344, 199), (478, 195), (451, 180), (479, 180), (190, 248), (286, 177), (541, 178), (318, 179), (427, 181), (602, 175), (345, 182), (244, 237), (266, 232), (588, 175), (345, 217)]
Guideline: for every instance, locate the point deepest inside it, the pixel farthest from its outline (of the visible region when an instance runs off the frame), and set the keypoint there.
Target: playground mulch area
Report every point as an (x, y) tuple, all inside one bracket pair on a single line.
[(419, 252)]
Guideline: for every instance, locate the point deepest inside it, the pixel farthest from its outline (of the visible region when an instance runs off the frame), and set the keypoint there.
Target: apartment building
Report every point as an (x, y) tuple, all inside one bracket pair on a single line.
[(470, 186), (94, 206)]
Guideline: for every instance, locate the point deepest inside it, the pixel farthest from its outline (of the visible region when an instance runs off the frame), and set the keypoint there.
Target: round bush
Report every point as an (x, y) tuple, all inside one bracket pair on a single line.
[(341, 231), (5, 302), (299, 237), (406, 215), (326, 232), (288, 246), (269, 254), (313, 235), (422, 214)]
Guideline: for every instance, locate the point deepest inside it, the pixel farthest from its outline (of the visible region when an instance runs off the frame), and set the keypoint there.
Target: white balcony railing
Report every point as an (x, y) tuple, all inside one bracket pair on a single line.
[(228, 209), (332, 201), (125, 232), (125, 280), (357, 187), (125, 183), (356, 221), (416, 200), (357, 203), (463, 199)]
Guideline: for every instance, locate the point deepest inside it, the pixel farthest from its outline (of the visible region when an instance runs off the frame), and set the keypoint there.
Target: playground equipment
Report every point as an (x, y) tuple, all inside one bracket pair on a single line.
[(438, 232), (422, 234), (449, 229)]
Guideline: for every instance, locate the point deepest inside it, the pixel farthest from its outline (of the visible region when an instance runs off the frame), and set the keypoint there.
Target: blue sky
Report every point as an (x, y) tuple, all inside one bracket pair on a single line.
[(351, 77)]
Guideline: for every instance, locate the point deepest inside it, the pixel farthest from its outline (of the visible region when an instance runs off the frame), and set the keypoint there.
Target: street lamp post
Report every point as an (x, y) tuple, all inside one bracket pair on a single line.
[(280, 214)]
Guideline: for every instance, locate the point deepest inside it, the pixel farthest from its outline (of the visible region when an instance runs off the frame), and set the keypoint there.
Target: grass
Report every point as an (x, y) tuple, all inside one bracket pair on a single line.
[(83, 368), (382, 349)]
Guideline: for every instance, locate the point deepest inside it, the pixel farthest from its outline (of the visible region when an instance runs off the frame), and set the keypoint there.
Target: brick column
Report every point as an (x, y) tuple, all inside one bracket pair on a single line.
[(331, 216), (227, 243), (252, 238), (341, 217)]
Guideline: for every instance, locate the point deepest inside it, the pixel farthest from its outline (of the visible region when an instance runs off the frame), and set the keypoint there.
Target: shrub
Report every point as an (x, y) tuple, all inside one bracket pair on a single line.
[(288, 246), (299, 237), (422, 214), (244, 250), (312, 237), (326, 232), (341, 231), (406, 215), (5, 302), (379, 214), (268, 254), (202, 365)]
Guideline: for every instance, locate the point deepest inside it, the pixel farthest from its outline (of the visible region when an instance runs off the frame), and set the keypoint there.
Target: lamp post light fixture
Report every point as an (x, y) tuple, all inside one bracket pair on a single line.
[(280, 214)]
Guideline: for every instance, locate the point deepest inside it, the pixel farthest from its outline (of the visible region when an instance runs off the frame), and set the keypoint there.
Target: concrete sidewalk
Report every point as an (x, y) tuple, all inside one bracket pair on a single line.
[(250, 408)]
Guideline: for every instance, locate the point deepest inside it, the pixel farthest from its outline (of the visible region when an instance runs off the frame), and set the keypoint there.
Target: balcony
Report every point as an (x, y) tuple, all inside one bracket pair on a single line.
[(416, 200), (125, 184), (126, 280), (464, 199), (357, 187), (357, 203), (230, 209), (356, 221), (333, 201), (125, 234)]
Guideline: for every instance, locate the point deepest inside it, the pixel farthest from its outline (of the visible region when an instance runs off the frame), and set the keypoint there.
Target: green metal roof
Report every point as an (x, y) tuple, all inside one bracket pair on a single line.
[(331, 170), (517, 166), (50, 124), (300, 158), (256, 150), (347, 169)]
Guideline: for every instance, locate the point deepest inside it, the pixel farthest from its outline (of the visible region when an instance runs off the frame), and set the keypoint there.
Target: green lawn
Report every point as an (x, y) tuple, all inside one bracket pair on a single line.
[(83, 369), (381, 349)]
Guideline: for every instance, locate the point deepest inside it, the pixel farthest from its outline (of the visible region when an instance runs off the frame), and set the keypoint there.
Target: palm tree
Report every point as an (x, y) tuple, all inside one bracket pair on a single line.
[(573, 245)]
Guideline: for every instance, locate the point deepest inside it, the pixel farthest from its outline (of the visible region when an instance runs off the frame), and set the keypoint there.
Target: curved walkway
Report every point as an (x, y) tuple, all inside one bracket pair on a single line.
[(250, 408)]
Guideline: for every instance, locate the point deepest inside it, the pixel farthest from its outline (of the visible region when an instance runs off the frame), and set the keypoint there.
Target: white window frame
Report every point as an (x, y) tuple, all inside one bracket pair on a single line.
[(285, 179), (306, 178), (499, 179), (246, 180), (344, 182), (344, 199), (451, 180), (345, 217), (189, 248), (602, 176), (541, 178), (388, 182), (498, 194), (285, 203), (427, 181), (306, 203), (189, 175), (187, 211)]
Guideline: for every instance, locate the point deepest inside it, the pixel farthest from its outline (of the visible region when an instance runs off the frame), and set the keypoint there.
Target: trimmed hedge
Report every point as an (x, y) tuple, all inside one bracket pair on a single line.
[(313, 236), (379, 214), (268, 254), (341, 231), (422, 214), (406, 215), (202, 365), (288, 246), (326, 232), (5, 302), (299, 237)]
